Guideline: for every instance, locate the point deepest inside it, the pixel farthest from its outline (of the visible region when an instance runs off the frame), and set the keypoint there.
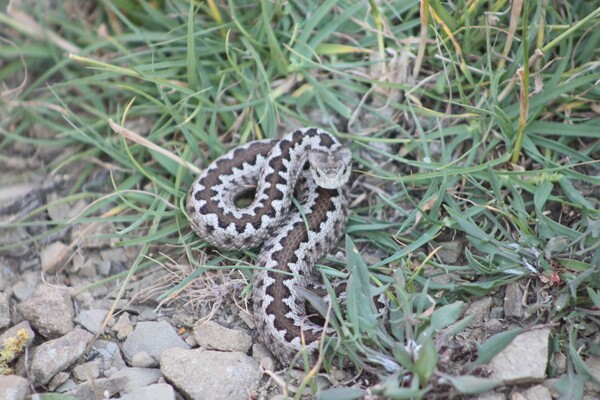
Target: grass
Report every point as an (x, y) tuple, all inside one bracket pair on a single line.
[(455, 137)]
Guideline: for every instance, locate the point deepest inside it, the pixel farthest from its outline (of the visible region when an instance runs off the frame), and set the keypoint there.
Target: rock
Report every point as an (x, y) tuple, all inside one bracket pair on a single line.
[(191, 341), (52, 257), (159, 391), (123, 326), (96, 236), (531, 350), (63, 211), (153, 338), (248, 319), (13, 387), (87, 371), (12, 333), (593, 364), (4, 310), (209, 374), (137, 378), (103, 267), (143, 360), (114, 255), (91, 320), (492, 326), (68, 386), (213, 336), (5, 274), (480, 310), (513, 298), (49, 311), (83, 266), (109, 354), (551, 384), (57, 355), (491, 396), (497, 313), (537, 392), (17, 237), (98, 388), (147, 314), (58, 380), (264, 357), (450, 252), (22, 291), (559, 364)]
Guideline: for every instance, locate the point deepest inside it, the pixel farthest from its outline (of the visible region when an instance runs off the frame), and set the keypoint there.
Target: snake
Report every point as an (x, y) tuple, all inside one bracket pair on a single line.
[(309, 165)]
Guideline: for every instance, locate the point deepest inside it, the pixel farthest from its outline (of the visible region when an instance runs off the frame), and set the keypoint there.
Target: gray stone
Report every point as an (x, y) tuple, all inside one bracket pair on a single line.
[(68, 386), (17, 237), (480, 310), (22, 291), (87, 371), (191, 341), (153, 338), (147, 314), (13, 387), (208, 374), (450, 252), (83, 266), (49, 311), (4, 310), (109, 354), (513, 298), (593, 364), (98, 388), (114, 255), (57, 355), (94, 235), (63, 211), (559, 364), (110, 372), (497, 313), (5, 273), (52, 257), (213, 336), (531, 350), (551, 383), (12, 332), (58, 380), (143, 360), (91, 320), (492, 326), (248, 319), (103, 267), (123, 326), (537, 392), (264, 357), (158, 391), (137, 378), (491, 396)]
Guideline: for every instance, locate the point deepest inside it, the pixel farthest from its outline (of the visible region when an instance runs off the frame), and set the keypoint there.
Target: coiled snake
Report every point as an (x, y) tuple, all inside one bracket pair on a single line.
[(314, 167)]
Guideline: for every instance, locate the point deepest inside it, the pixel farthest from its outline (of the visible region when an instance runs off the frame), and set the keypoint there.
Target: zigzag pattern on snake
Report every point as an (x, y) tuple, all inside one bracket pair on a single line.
[(314, 167)]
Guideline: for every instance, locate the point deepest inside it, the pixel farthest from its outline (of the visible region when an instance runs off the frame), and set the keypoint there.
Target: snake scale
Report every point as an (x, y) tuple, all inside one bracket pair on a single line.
[(309, 164)]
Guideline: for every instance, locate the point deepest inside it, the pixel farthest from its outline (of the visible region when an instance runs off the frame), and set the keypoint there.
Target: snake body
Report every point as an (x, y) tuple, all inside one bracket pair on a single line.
[(309, 164)]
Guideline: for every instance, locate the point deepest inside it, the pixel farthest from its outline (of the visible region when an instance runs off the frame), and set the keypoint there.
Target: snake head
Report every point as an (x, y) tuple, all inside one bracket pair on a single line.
[(331, 169)]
